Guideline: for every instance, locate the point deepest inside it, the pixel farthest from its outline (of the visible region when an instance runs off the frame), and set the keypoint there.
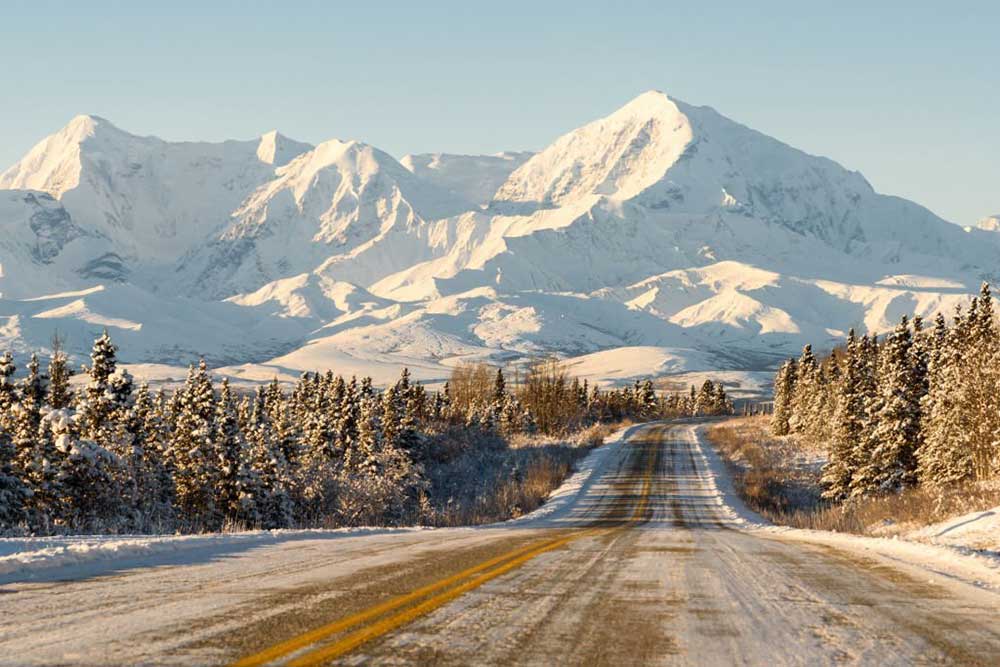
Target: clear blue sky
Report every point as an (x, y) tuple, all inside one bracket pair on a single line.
[(909, 96)]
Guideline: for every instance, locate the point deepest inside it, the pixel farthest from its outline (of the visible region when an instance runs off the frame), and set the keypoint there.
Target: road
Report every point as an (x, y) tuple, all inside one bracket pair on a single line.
[(643, 567)]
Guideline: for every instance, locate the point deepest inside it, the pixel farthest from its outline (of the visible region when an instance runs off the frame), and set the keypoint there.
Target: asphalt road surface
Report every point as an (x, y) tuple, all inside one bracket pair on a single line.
[(642, 567)]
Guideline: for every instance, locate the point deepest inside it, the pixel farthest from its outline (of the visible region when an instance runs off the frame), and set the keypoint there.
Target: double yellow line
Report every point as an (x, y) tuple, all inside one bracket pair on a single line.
[(440, 592)]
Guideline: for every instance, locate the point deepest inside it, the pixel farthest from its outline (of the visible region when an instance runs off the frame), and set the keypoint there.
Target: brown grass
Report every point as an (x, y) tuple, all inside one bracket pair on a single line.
[(544, 463), (769, 473), (768, 477)]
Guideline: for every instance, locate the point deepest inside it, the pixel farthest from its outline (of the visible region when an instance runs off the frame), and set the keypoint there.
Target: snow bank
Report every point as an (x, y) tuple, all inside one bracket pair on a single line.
[(25, 559), (560, 505), (944, 549), (975, 531)]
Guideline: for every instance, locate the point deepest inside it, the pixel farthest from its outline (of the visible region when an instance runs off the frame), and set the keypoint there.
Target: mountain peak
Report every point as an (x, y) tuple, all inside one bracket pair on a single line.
[(650, 102), (278, 150), (619, 155), (84, 126)]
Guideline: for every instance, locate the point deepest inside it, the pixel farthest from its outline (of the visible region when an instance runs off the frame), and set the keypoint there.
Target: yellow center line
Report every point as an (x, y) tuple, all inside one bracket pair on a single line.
[(366, 634), (312, 636), (465, 580)]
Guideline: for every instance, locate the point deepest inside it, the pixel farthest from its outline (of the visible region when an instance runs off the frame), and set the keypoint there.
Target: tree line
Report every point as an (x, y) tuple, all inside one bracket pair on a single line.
[(918, 406), (110, 456)]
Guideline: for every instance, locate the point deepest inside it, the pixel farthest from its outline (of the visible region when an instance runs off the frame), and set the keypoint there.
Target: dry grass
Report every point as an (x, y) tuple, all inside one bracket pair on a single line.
[(769, 474), (898, 513), (516, 480), (774, 476)]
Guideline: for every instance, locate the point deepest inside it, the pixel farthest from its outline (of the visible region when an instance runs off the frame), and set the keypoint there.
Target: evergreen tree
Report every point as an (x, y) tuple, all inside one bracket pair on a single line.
[(784, 391), (647, 399), (96, 403), (59, 396), (804, 392), (8, 394), (847, 429), (35, 453), (14, 493), (891, 460), (233, 495), (192, 451), (91, 499)]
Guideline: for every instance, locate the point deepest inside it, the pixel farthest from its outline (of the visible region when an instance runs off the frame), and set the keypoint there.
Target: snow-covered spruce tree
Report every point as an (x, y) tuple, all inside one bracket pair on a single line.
[(647, 399), (804, 393), (233, 493), (362, 459), (891, 458), (196, 470), (980, 389), (784, 390), (59, 394), (705, 398), (818, 409), (723, 404), (91, 499), (283, 424), (321, 456), (392, 417), (37, 460), (498, 399), (14, 493), (152, 480), (411, 442), (347, 422), (272, 500), (8, 393), (946, 454), (96, 403), (848, 423)]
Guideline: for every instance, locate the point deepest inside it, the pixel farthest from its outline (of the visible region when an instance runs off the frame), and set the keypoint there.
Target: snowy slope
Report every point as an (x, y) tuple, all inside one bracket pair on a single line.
[(665, 230), (152, 199), (474, 178), (324, 203)]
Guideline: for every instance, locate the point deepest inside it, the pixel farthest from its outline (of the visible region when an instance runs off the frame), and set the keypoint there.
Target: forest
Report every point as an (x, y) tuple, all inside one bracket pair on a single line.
[(100, 454), (919, 406)]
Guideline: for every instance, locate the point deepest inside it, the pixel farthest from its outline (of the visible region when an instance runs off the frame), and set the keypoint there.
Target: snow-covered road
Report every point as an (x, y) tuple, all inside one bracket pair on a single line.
[(643, 558)]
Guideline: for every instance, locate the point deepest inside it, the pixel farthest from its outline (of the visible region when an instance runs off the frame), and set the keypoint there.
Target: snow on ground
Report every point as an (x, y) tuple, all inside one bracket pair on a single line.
[(965, 548), (928, 549), (76, 556), (976, 531), (560, 504), (625, 364), (70, 557)]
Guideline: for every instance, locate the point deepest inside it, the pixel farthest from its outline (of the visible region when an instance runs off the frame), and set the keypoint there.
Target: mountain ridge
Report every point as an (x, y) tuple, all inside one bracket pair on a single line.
[(662, 225)]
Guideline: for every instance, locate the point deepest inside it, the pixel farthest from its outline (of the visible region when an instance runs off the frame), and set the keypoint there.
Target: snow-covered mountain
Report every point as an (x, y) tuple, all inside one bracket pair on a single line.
[(474, 178), (662, 229)]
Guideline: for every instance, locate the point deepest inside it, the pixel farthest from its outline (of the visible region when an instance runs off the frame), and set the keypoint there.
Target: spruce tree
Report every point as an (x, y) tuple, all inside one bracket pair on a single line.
[(784, 391), (193, 454), (8, 393), (804, 393), (891, 459), (847, 429), (946, 455), (59, 395), (232, 493), (96, 402), (14, 493)]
